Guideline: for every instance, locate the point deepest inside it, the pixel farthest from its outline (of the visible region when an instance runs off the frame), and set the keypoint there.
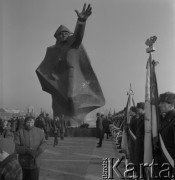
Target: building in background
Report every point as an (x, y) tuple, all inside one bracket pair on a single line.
[(7, 114)]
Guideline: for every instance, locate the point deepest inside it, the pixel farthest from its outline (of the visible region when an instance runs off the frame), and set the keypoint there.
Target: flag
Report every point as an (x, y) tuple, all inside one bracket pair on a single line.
[(130, 103), (151, 112)]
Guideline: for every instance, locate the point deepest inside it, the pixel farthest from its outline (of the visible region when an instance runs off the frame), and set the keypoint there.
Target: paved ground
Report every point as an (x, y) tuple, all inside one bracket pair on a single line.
[(76, 158)]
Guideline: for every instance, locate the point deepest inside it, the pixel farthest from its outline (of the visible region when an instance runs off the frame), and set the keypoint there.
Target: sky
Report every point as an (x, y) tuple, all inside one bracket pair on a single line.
[(114, 39)]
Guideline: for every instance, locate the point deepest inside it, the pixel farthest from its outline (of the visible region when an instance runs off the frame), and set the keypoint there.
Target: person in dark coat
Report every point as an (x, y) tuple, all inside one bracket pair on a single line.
[(132, 134), (106, 123), (139, 144), (1, 126), (99, 127), (30, 143), (167, 132), (8, 130), (48, 125), (62, 126), (40, 122), (20, 123), (56, 129), (14, 124)]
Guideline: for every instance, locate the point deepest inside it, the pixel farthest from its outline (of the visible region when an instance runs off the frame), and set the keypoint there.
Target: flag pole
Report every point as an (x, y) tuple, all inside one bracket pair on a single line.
[(150, 105)]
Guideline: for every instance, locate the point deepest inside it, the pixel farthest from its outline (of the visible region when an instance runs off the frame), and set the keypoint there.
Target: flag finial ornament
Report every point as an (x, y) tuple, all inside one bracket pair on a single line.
[(149, 42), (130, 92)]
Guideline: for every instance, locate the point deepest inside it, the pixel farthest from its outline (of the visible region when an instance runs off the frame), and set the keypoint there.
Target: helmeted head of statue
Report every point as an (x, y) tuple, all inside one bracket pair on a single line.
[(62, 33)]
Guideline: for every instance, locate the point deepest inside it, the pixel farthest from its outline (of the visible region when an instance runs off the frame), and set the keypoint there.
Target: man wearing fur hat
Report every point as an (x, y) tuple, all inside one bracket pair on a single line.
[(10, 168), (167, 128), (30, 143)]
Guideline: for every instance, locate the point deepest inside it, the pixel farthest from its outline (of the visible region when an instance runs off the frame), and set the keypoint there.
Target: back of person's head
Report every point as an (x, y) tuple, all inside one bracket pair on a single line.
[(102, 114), (98, 114), (140, 105), (133, 109)]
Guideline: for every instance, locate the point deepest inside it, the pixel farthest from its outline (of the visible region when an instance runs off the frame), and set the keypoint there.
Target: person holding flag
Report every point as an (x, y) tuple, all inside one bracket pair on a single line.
[(132, 133), (167, 133), (139, 142), (151, 118), (124, 143)]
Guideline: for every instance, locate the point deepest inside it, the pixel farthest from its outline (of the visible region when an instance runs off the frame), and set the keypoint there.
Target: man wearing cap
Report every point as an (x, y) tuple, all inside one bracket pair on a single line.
[(139, 144), (10, 168), (48, 126), (167, 128), (62, 126), (99, 126), (56, 129), (106, 123), (30, 143), (132, 133)]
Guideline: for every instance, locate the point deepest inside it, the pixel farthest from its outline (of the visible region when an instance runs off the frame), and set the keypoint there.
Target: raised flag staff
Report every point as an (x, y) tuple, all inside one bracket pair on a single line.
[(151, 107), (130, 102)]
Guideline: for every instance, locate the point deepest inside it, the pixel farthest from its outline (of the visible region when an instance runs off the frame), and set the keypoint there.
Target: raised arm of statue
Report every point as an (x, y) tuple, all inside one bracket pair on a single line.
[(85, 13), (80, 26)]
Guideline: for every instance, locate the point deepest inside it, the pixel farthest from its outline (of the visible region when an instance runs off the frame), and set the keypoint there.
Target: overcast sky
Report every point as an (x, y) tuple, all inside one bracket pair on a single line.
[(114, 39)]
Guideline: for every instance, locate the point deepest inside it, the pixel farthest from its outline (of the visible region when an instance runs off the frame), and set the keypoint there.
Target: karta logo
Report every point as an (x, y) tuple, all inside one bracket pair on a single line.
[(112, 167)]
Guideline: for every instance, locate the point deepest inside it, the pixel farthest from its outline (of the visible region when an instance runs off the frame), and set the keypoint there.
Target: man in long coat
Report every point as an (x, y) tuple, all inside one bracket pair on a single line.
[(66, 72), (62, 126), (99, 127), (139, 143), (30, 144), (166, 153)]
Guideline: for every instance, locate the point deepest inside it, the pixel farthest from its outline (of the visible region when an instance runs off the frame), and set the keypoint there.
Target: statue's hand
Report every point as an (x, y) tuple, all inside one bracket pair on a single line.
[(86, 12)]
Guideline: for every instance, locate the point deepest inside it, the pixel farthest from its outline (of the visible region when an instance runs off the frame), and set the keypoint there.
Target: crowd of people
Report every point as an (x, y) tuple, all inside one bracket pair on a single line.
[(43, 121), (102, 127), (163, 150), (23, 141), (26, 137)]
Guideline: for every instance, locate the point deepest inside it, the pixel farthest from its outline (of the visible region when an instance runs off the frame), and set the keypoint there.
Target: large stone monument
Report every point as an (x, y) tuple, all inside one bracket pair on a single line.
[(66, 73)]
